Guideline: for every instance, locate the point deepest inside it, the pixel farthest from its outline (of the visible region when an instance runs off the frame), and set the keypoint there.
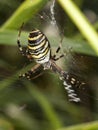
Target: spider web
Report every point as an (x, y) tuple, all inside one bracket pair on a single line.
[(50, 18)]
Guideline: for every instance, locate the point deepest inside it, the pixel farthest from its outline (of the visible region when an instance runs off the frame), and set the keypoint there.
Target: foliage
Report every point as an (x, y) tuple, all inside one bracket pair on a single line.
[(29, 105)]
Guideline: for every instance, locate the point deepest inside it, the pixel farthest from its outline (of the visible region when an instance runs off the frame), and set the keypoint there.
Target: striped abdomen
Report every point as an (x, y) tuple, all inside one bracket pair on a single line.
[(39, 46)]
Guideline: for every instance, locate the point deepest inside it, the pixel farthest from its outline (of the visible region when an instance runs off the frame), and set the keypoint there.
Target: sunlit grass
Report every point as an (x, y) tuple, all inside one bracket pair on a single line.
[(81, 22)]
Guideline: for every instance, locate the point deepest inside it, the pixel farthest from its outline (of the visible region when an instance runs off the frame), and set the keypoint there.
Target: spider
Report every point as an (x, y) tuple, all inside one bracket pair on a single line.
[(39, 49)]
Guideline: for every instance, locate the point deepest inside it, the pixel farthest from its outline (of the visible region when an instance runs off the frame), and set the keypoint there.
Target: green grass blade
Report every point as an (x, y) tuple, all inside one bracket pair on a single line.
[(11, 79), (85, 126), (81, 22), (24, 13), (45, 105), (9, 37)]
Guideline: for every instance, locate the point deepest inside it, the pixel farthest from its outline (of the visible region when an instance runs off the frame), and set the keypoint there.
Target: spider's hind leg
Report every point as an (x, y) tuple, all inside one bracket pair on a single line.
[(33, 73), (26, 75)]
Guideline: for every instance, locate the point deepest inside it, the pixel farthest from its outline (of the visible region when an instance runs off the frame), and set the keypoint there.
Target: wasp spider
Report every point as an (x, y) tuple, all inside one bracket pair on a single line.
[(39, 49)]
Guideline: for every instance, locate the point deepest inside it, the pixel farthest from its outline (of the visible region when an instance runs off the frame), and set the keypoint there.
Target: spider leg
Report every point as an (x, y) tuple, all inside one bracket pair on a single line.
[(21, 49), (55, 59), (33, 73), (57, 50)]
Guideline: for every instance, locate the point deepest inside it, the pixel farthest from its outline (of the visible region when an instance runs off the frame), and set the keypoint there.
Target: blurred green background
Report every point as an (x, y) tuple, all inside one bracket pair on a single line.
[(40, 104)]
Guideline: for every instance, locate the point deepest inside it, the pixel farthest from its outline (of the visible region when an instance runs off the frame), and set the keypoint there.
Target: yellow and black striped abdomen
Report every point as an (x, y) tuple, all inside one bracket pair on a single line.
[(39, 46)]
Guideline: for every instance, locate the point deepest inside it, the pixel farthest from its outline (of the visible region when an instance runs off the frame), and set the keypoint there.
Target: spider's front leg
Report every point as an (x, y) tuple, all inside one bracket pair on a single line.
[(21, 49), (33, 73), (54, 56)]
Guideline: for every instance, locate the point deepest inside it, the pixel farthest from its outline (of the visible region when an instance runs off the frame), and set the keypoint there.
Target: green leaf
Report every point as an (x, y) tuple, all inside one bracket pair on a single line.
[(24, 13), (9, 37)]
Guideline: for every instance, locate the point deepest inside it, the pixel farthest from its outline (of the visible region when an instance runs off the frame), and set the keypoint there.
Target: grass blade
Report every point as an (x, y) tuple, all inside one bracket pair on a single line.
[(24, 13), (81, 22)]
